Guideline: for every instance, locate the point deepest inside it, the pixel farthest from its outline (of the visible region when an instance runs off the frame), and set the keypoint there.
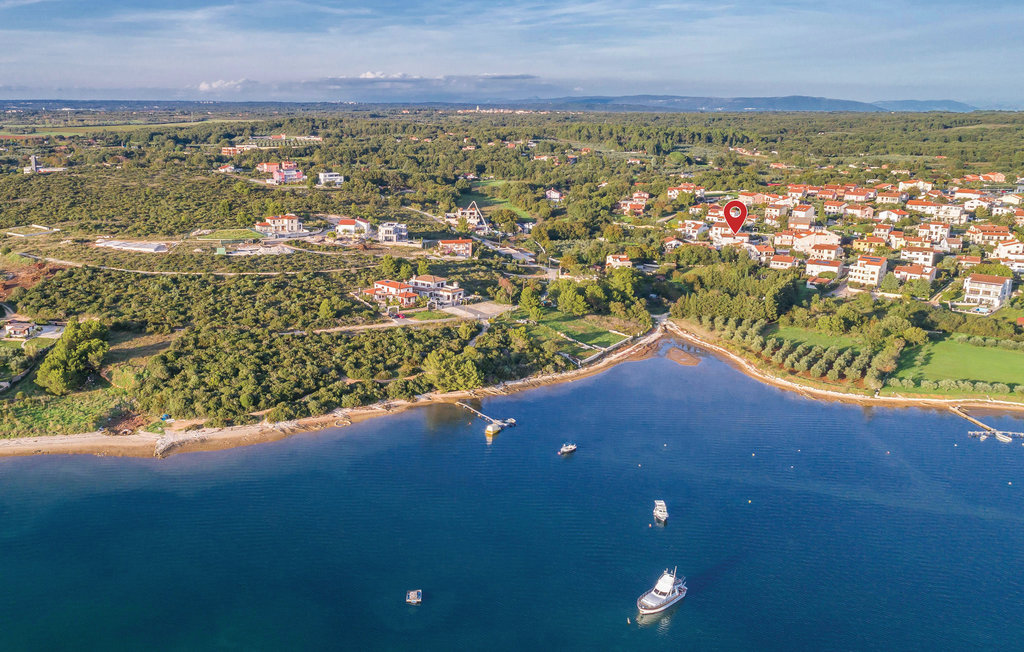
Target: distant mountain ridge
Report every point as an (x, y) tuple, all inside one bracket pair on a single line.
[(686, 104)]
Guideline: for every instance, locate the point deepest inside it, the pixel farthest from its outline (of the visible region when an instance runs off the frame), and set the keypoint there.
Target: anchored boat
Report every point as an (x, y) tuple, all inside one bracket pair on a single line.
[(668, 591), (660, 511), (414, 597), (566, 449)]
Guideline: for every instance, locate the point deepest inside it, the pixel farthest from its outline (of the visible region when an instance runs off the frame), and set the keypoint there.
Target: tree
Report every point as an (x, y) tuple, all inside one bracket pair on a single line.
[(571, 302), (326, 311), (529, 302), (80, 350), (422, 267), (890, 283)]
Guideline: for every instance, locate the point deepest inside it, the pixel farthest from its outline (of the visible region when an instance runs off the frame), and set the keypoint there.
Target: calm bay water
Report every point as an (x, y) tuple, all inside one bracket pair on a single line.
[(800, 525)]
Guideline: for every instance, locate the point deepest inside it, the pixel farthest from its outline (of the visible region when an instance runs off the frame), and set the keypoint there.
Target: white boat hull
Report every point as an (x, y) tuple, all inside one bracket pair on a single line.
[(672, 600)]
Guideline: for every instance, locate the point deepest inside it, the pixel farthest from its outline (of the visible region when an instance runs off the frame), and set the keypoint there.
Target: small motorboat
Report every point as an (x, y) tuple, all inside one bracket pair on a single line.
[(668, 591), (660, 511), (414, 597), (567, 448), (492, 429)]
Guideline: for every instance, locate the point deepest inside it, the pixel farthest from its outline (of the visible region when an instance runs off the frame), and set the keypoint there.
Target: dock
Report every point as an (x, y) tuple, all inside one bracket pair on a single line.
[(495, 425), (1004, 436)]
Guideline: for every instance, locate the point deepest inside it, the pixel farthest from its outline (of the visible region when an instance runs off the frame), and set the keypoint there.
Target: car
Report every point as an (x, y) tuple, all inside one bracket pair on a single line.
[(400, 315)]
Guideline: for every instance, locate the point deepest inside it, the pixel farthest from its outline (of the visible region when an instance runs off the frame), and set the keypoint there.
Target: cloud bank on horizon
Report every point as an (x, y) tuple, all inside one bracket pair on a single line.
[(440, 50)]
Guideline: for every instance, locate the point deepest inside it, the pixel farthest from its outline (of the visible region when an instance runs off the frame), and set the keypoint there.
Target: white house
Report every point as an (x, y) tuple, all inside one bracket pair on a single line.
[(914, 272), (279, 225), (920, 255), (868, 270), (353, 226), (330, 179), (987, 290), (817, 267), (392, 232)]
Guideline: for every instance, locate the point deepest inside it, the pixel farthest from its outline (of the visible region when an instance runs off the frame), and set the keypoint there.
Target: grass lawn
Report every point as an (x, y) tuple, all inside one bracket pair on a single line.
[(591, 329), (812, 338), (490, 204), (431, 314), (232, 234), (58, 415), (959, 361)]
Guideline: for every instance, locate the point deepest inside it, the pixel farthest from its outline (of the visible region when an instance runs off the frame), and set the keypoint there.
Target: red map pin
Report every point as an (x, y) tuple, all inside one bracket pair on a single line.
[(735, 215)]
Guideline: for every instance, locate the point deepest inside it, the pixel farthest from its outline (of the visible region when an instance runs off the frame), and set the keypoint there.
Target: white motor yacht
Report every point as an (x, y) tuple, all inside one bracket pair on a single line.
[(668, 591), (660, 511), (566, 449)]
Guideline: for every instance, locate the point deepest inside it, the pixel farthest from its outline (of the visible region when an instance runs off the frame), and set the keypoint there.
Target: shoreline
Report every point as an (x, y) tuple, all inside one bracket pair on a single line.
[(143, 444), (748, 368)]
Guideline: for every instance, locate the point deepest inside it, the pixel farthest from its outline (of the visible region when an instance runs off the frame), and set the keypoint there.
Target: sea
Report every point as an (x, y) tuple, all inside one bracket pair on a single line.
[(799, 525)]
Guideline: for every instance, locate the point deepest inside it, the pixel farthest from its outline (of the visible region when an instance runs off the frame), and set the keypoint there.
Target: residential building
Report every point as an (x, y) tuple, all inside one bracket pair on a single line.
[(763, 253), (279, 225), (826, 252), (438, 289), (835, 207), (286, 176), (692, 228), (817, 267), (967, 262), (987, 290), (615, 261), (780, 261), (934, 231), (686, 188), (462, 247), (893, 215), (775, 211), (806, 241), (920, 255), (554, 195), (868, 244), (330, 179), (18, 329), (922, 186), (671, 242), (860, 211), (891, 197), (989, 234), (392, 232), (914, 272), (868, 270), (967, 193), (804, 211), (387, 292), (353, 226), (268, 167), (950, 245)]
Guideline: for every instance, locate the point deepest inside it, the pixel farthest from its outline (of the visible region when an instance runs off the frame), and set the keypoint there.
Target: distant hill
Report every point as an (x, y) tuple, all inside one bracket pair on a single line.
[(926, 105), (677, 103)]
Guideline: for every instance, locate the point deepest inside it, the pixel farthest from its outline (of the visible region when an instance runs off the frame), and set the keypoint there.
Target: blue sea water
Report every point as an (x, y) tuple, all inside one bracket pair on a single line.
[(801, 525)]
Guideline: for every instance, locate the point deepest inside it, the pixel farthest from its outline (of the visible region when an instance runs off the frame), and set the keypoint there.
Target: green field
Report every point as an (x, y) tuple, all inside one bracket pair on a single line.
[(590, 329), (490, 204), (430, 314), (58, 415), (813, 338), (959, 361)]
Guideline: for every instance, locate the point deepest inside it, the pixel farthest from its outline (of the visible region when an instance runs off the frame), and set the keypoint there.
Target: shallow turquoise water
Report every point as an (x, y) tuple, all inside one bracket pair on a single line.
[(800, 525)]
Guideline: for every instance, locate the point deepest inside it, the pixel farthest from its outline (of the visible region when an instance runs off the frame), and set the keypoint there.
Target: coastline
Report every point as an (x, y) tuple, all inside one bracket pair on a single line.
[(143, 444), (742, 364)]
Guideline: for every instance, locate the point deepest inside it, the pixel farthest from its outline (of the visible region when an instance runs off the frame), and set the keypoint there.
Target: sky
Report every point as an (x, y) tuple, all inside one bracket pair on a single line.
[(442, 50)]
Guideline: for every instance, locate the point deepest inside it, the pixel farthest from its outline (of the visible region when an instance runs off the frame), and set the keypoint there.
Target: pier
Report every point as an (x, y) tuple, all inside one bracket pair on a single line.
[(501, 423), (1004, 436)]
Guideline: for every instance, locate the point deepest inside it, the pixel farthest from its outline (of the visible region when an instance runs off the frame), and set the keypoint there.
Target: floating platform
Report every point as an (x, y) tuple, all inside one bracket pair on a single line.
[(1004, 436)]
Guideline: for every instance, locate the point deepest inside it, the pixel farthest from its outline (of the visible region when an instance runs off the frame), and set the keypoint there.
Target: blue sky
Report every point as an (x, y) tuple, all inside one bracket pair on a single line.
[(475, 51)]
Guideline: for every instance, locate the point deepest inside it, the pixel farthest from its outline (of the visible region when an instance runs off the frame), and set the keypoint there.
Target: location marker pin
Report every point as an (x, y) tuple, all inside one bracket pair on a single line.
[(735, 215)]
